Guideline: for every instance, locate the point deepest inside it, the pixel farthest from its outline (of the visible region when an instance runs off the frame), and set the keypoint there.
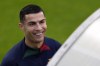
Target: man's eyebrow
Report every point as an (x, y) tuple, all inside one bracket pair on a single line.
[(32, 22), (42, 19), (36, 21)]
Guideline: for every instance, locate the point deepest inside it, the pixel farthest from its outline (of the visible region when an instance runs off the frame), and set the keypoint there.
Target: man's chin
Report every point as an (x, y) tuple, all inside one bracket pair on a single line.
[(38, 40)]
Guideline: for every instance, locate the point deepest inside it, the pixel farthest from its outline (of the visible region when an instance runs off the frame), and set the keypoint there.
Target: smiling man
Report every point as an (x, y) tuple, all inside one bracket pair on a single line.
[(35, 49)]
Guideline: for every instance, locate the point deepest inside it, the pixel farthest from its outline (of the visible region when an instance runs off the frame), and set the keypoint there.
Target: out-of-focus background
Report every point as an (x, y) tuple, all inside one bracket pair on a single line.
[(63, 17)]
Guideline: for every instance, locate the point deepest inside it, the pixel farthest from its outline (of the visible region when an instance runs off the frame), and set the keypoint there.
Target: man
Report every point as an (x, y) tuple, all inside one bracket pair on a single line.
[(35, 49)]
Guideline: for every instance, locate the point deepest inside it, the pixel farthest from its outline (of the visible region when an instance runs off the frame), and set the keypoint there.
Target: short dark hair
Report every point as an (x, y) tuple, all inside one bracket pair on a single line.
[(31, 8)]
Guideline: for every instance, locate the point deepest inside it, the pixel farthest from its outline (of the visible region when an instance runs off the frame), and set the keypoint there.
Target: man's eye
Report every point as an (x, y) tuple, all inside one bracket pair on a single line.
[(42, 21), (32, 24)]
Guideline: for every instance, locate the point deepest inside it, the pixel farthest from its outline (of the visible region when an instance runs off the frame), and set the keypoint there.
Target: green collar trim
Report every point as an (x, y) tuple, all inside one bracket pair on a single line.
[(31, 51)]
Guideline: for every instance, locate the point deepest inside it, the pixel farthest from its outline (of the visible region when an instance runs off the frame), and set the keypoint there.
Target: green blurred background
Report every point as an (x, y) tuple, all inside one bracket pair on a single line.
[(63, 17)]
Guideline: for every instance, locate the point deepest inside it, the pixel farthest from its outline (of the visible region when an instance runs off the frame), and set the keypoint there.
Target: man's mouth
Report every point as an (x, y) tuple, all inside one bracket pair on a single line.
[(37, 34)]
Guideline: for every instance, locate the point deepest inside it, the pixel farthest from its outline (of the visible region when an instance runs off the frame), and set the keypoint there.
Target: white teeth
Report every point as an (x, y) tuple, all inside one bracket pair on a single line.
[(38, 33)]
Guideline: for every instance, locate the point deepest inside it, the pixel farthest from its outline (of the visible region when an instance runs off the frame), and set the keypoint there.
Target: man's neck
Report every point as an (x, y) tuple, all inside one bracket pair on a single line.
[(33, 44)]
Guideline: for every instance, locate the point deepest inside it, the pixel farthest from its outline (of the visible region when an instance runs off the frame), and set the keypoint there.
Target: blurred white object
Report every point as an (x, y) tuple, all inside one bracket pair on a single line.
[(82, 48)]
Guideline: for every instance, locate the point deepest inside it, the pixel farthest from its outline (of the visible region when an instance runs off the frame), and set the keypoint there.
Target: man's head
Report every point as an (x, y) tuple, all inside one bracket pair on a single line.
[(33, 23), (29, 9)]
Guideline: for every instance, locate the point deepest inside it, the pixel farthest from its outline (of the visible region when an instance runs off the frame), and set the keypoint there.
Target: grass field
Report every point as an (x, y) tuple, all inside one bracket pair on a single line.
[(63, 17)]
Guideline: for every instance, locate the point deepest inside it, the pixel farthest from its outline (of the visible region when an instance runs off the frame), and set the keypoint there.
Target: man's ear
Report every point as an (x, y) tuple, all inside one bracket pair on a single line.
[(21, 26)]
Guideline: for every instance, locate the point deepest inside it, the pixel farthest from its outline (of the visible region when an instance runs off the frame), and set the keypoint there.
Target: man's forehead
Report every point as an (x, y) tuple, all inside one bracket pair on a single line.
[(35, 17), (35, 14)]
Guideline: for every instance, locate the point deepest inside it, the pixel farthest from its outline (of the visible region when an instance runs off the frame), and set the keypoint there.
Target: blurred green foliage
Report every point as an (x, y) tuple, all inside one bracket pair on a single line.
[(63, 17)]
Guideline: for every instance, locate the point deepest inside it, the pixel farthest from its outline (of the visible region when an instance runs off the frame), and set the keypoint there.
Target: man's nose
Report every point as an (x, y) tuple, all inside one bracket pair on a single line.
[(38, 27)]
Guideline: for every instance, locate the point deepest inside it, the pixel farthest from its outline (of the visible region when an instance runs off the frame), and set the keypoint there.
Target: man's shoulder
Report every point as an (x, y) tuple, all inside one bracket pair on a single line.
[(52, 43), (13, 54), (15, 49), (50, 40)]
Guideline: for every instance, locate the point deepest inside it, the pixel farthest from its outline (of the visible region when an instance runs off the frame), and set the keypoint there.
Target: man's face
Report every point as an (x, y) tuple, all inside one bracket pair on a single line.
[(34, 27)]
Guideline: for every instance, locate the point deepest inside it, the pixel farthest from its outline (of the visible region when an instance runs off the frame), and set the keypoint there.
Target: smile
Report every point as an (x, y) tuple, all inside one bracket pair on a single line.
[(38, 34)]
